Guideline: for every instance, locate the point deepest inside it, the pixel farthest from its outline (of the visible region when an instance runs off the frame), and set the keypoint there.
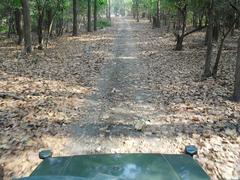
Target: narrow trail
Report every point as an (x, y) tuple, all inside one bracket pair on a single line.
[(122, 104)]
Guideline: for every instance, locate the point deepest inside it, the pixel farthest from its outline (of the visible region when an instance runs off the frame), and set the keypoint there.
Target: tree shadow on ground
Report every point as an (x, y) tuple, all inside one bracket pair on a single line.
[(163, 130)]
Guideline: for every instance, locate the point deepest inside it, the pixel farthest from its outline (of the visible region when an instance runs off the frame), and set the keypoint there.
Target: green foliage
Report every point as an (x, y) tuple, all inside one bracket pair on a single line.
[(101, 6), (15, 3), (102, 23), (3, 29), (102, 3), (224, 14), (62, 9)]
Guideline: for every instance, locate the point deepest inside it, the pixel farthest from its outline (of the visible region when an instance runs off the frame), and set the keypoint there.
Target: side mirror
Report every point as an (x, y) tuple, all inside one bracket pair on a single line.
[(191, 150), (45, 154)]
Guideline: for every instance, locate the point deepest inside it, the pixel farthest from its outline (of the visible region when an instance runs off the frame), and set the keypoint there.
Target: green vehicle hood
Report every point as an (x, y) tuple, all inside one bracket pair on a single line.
[(120, 167)]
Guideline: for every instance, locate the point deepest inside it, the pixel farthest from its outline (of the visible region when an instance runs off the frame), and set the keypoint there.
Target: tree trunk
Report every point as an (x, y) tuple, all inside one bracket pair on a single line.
[(178, 20), (180, 37), (237, 26), (49, 21), (95, 15), (137, 7), (158, 24), (89, 16), (200, 21), (232, 31), (194, 20), (165, 20), (215, 69), (149, 17), (134, 11), (10, 24), (75, 25), (27, 26), (60, 24), (40, 29), (174, 25), (18, 24), (216, 29), (154, 22), (169, 24), (207, 69), (236, 94), (219, 53), (49, 24), (179, 45), (109, 10)]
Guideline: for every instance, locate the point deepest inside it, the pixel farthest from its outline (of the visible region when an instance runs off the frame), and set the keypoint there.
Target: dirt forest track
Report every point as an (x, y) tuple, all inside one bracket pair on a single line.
[(121, 90)]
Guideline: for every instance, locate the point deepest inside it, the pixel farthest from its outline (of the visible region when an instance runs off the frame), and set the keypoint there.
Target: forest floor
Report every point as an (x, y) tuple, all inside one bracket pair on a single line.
[(119, 90)]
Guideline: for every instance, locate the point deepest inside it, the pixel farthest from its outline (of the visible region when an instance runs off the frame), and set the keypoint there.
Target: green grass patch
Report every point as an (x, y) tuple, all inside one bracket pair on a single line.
[(102, 23), (3, 29)]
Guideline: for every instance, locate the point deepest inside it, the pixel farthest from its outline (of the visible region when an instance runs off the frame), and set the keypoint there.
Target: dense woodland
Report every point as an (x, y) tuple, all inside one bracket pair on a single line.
[(49, 19), (76, 37), (183, 17)]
